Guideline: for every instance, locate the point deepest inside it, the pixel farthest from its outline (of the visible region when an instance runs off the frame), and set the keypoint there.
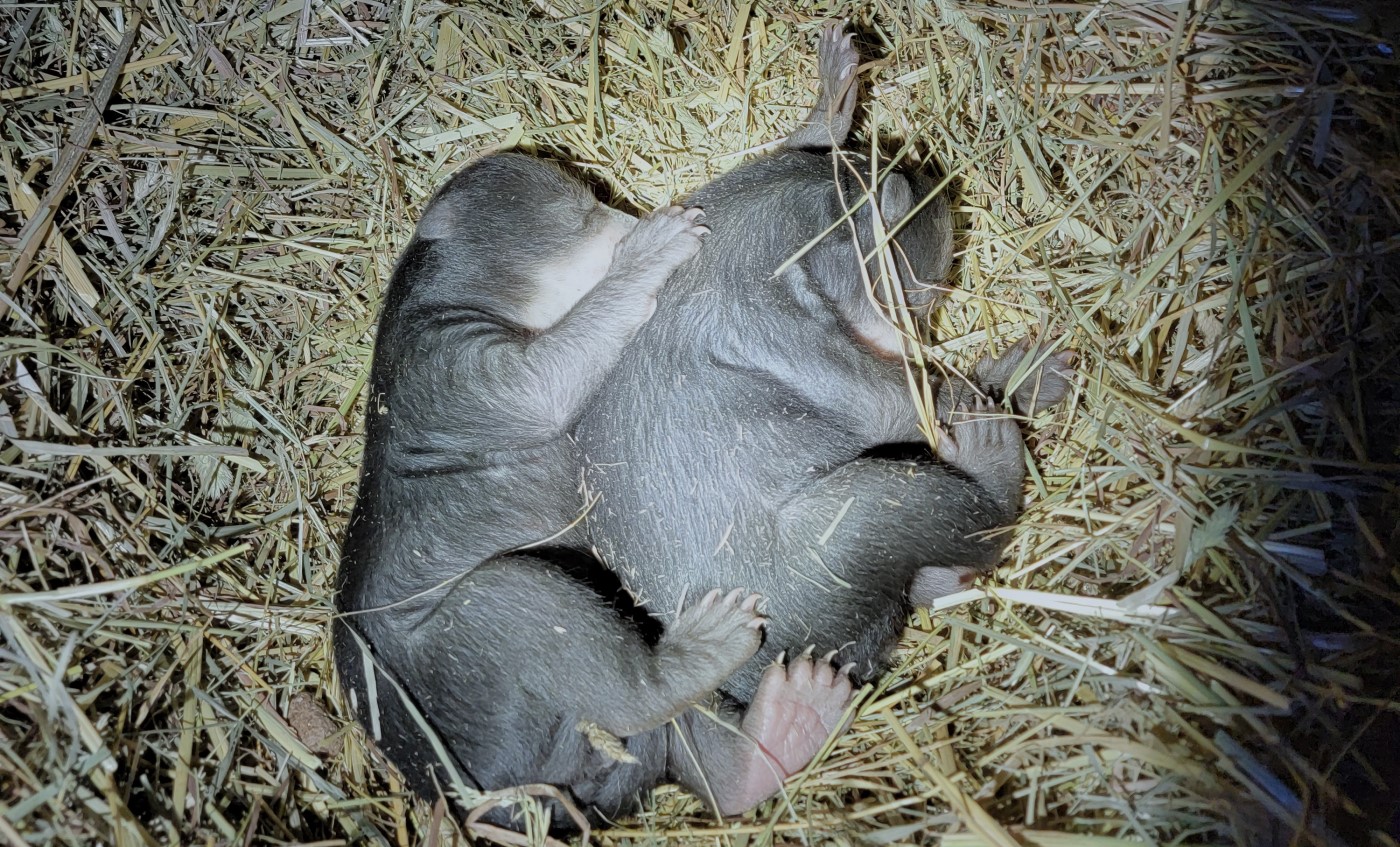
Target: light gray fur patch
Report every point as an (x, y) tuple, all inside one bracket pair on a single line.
[(561, 283)]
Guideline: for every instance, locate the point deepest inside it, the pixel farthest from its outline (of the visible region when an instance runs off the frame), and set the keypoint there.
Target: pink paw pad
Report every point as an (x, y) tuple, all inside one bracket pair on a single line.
[(796, 708)]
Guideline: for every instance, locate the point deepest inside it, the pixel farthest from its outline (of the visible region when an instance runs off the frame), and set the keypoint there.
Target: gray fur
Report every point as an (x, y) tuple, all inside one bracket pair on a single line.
[(740, 437), (506, 651), (763, 459)]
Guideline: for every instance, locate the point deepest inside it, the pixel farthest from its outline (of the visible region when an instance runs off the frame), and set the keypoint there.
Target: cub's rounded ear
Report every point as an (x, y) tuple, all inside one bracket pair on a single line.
[(795, 275), (926, 240), (438, 222), (444, 215), (804, 292), (896, 199)]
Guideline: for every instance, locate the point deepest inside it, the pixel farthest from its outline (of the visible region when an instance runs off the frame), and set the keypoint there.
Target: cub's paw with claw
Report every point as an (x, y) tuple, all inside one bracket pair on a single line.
[(716, 635), (979, 435), (1047, 383), (837, 60), (663, 239), (796, 708)]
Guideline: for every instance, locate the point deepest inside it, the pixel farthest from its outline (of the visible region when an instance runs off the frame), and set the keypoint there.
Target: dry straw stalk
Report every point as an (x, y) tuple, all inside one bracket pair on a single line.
[(1192, 637)]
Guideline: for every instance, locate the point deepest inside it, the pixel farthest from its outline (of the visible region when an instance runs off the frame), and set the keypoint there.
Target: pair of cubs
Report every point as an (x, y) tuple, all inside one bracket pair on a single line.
[(747, 434)]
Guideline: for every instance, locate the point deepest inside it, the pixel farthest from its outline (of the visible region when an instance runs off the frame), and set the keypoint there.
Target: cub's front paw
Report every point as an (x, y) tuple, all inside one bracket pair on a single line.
[(1045, 385), (663, 239), (718, 634)]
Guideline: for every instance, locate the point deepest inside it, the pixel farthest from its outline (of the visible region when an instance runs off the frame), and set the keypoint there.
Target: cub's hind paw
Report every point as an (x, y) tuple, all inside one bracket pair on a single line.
[(837, 58), (798, 705), (984, 443), (1046, 384), (980, 435), (796, 708)]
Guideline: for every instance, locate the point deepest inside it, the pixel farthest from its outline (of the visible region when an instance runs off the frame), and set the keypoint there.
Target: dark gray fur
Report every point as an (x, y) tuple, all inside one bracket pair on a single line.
[(725, 439), (767, 456), (504, 651)]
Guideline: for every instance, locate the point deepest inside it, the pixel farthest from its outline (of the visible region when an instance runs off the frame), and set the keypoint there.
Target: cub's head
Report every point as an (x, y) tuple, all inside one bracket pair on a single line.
[(857, 273)]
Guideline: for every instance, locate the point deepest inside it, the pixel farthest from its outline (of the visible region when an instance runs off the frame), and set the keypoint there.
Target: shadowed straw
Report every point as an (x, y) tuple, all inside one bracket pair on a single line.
[(1192, 636)]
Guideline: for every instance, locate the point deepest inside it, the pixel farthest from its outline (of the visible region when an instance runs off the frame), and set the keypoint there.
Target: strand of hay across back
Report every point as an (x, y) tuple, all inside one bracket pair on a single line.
[(1192, 636)]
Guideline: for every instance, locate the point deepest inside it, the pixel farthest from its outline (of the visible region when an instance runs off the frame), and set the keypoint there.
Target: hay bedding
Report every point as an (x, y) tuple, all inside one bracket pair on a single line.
[(1192, 637)]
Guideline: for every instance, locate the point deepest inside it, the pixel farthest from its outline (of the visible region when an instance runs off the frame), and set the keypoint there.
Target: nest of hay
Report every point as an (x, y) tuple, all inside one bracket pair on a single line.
[(1192, 637)]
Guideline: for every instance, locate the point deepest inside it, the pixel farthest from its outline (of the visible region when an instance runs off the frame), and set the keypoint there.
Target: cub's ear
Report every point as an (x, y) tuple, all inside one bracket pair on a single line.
[(804, 293), (896, 199), (828, 284), (924, 239), (438, 222)]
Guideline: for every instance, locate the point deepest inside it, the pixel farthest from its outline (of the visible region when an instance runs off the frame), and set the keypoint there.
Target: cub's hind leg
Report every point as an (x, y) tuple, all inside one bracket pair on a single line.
[(523, 665)]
